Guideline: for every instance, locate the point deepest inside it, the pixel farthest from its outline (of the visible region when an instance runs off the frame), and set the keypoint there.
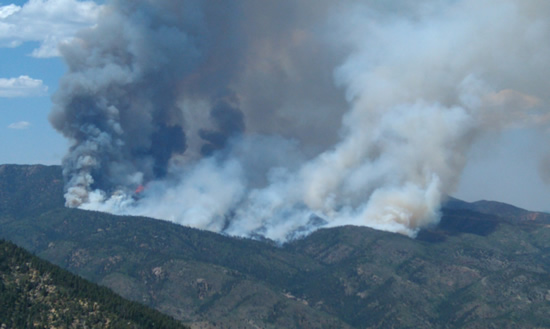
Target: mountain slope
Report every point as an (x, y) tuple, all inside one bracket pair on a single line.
[(473, 270), (504, 211), (34, 293), (30, 190), (189, 274)]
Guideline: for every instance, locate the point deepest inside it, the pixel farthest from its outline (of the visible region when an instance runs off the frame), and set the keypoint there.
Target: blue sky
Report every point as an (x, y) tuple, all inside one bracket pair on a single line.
[(506, 171), (29, 74), (35, 142)]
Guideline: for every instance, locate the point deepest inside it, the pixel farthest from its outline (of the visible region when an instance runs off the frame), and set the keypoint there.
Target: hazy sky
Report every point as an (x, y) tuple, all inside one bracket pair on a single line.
[(502, 167)]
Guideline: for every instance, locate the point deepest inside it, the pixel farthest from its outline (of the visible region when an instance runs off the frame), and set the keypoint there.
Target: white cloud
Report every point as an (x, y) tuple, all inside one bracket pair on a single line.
[(20, 125), (8, 10), (48, 22), (22, 86)]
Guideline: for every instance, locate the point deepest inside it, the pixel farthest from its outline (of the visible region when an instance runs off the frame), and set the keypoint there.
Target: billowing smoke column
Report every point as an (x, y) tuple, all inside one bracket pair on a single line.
[(273, 119)]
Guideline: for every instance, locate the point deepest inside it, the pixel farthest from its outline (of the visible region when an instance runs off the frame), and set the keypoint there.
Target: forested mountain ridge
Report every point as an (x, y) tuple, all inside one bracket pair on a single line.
[(30, 190), (37, 294), (476, 269)]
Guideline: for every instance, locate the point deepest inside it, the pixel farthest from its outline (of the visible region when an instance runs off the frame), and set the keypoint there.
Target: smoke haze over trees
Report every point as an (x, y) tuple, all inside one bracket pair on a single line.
[(276, 118)]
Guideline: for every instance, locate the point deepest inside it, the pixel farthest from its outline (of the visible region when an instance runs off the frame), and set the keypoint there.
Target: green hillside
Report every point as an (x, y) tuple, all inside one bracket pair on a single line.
[(37, 294), (476, 269), (30, 190)]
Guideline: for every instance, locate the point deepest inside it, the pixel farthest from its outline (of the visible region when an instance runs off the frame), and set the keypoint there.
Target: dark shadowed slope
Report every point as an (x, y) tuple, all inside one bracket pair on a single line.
[(504, 211), (30, 190), (474, 270)]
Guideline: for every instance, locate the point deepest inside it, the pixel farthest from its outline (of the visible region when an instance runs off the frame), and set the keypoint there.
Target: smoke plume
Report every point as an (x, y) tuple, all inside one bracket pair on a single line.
[(274, 118)]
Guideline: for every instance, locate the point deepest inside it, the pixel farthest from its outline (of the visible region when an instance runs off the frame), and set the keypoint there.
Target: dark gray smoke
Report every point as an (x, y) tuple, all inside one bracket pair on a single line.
[(274, 118), (228, 121), (139, 80)]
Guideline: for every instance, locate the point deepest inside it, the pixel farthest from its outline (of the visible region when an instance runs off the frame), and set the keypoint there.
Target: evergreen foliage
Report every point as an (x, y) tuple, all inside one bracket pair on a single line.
[(38, 294), (485, 265)]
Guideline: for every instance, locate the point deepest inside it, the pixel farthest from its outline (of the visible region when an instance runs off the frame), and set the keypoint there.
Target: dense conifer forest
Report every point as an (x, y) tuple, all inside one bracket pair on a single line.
[(38, 294)]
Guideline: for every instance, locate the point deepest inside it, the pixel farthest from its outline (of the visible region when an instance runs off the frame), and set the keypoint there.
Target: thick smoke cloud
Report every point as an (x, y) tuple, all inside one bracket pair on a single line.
[(228, 121), (276, 118)]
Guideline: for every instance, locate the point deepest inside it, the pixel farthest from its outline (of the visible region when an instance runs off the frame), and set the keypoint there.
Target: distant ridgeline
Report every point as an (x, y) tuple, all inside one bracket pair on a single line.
[(30, 190), (37, 294)]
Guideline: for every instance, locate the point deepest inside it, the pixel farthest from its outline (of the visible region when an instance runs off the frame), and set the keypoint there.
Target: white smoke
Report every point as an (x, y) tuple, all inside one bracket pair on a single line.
[(421, 83)]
